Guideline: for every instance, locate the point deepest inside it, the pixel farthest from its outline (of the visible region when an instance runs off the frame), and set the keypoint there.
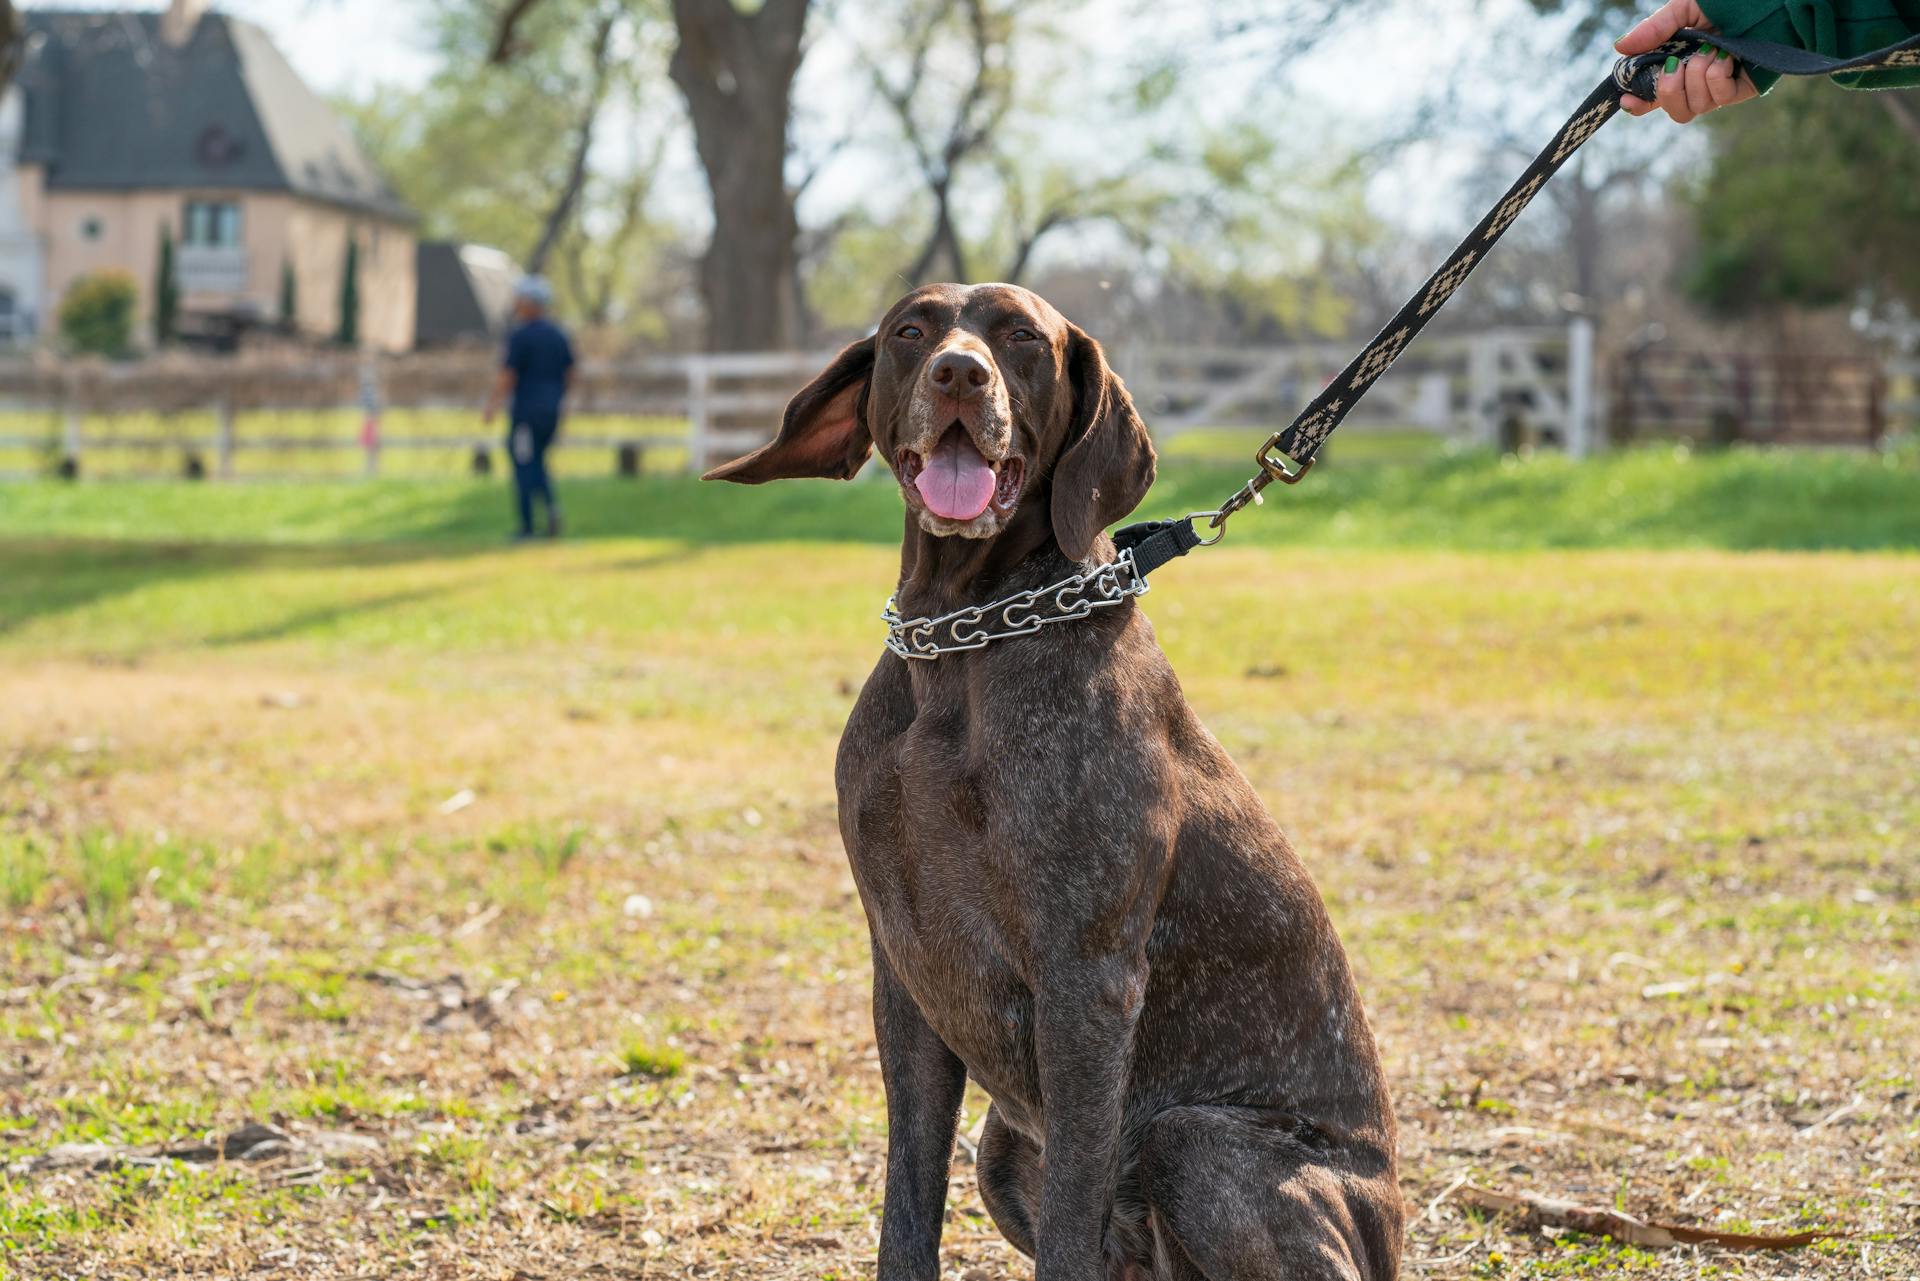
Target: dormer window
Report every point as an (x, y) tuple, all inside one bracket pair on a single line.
[(216, 148), (212, 224)]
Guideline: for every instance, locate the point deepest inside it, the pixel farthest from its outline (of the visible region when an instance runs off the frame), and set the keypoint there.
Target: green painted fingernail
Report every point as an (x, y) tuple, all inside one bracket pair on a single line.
[(1673, 65), (1719, 53)]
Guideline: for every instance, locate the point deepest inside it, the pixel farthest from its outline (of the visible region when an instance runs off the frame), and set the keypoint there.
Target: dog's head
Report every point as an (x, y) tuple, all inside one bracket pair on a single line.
[(984, 401)]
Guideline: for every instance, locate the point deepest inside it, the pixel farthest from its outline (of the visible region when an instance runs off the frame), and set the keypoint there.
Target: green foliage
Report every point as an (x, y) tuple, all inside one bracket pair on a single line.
[(1273, 231), (96, 316), (166, 292), (481, 150), (643, 1058), (1812, 199), (348, 333), (289, 298)]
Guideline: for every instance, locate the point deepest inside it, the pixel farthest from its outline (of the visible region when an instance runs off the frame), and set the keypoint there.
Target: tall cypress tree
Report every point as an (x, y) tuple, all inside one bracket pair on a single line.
[(348, 335), (166, 292), (289, 298)]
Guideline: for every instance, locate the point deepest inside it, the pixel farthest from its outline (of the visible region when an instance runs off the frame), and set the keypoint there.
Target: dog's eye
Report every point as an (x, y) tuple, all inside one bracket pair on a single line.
[(908, 332), (1024, 334)]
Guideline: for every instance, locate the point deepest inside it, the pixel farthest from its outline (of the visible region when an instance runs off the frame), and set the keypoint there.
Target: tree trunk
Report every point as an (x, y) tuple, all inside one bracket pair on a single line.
[(9, 43), (736, 71)]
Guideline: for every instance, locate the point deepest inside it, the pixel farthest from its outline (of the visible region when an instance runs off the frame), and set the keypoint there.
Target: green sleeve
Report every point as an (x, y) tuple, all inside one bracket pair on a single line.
[(1837, 28)]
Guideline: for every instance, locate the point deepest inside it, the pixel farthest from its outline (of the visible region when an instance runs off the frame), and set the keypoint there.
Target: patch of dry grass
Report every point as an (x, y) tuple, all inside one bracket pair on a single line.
[(506, 889)]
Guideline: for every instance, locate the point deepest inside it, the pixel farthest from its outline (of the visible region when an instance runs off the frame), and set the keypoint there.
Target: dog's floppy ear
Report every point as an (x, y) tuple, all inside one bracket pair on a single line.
[(824, 431), (1106, 465)]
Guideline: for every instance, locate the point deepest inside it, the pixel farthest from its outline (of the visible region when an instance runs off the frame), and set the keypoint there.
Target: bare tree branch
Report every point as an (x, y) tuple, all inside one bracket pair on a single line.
[(982, 108), (568, 201), (506, 44), (10, 43), (1904, 114)]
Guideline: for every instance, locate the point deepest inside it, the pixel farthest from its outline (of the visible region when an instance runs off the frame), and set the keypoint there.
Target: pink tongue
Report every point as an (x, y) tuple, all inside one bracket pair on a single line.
[(957, 483)]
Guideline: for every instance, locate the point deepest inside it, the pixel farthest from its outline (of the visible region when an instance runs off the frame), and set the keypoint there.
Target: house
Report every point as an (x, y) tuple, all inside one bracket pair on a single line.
[(125, 128), (466, 293)]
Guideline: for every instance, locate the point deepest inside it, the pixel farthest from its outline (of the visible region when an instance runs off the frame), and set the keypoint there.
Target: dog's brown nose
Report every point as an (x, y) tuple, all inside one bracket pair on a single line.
[(959, 373)]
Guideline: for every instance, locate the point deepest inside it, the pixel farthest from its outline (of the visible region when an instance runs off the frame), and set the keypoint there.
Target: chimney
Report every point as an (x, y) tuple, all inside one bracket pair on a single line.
[(181, 20)]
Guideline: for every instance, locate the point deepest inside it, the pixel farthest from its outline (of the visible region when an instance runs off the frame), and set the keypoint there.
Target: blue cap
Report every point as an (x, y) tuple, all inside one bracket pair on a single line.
[(534, 289)]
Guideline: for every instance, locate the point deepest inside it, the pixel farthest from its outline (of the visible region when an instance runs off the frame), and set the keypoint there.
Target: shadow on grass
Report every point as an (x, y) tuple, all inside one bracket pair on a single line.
[(54, 576)]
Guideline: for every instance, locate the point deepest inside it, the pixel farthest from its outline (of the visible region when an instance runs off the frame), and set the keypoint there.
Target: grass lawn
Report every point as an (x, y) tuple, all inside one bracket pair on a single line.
[(1657, 497), (504, 885)]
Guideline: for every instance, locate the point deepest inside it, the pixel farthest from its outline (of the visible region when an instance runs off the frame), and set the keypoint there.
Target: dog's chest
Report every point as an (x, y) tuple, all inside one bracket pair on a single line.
[(945, 893)]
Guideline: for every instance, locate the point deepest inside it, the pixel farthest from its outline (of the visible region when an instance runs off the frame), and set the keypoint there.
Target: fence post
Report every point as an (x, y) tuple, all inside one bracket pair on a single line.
[(370, 416), (1483, 387), (1581, 436), (223, 437), (699, 411), (70, 439)]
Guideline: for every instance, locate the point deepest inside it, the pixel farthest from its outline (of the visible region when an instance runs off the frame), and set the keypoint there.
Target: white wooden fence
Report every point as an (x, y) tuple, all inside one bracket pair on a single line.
[(1493, 387), (1469, 387)]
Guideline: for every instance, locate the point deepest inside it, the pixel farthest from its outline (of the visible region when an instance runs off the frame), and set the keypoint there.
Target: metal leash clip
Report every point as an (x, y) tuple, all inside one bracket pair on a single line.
[(1272, 468)]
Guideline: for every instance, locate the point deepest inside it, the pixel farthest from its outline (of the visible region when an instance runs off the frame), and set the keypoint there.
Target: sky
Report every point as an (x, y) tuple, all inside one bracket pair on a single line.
[(338, 46)]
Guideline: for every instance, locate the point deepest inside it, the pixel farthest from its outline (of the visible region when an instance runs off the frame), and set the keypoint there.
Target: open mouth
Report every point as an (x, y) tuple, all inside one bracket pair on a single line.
[(956, 481)]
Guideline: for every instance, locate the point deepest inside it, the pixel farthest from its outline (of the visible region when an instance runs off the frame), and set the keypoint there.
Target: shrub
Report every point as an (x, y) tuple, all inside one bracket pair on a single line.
[(96, 316)]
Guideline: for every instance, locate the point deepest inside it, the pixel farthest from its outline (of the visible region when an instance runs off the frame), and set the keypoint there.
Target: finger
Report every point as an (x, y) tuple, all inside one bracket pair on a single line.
[(1670, 92), (1694, 74), (1723, 86), (1635, 106), (1658, 28)]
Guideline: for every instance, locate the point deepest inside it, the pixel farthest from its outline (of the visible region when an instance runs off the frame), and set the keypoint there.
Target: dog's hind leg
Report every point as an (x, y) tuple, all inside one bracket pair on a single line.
[(1009, 1170), (1236, 1197)]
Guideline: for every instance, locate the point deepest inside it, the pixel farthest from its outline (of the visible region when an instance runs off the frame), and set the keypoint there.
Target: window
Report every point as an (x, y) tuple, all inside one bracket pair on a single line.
[(211, 224), (92, 228)]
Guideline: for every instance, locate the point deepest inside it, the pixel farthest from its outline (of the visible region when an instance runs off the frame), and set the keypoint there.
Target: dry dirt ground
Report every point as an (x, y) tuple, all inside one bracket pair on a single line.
[(372, 914)]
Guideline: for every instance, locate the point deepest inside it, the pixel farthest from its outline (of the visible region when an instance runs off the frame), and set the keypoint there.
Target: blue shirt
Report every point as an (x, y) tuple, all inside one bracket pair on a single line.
[(539, 355)]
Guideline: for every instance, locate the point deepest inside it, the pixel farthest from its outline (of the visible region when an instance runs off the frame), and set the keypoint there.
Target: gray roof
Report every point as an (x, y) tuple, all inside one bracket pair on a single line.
[(110, 105), (464, 292)]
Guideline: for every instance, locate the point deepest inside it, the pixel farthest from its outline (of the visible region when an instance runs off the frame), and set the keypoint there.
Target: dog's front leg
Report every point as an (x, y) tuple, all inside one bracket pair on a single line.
[(1083, 1024), (925, 1083)]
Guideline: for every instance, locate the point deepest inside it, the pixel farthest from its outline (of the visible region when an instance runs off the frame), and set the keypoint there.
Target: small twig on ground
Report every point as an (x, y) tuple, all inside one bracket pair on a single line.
[(1550, 1212), (1840, 1113), (1446, 1259), (1435, 1204)]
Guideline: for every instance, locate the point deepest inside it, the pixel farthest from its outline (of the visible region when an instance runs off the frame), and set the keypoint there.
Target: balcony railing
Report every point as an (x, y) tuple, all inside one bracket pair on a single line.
[(211, 269)]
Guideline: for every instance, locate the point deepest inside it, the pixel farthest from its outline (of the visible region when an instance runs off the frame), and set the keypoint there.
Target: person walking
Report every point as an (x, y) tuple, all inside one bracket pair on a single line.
[(535, 375), (1689, 88)]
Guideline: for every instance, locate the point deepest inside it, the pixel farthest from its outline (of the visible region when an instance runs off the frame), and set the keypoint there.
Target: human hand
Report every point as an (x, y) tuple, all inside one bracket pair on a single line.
[(1684, 89)]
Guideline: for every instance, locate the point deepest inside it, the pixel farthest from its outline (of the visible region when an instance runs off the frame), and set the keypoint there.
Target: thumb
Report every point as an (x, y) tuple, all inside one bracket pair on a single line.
[(1656, 30)]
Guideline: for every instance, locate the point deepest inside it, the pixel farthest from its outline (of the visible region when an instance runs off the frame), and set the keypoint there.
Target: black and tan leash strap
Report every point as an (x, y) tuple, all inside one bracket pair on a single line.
[(1289, 452), (1302, 439)]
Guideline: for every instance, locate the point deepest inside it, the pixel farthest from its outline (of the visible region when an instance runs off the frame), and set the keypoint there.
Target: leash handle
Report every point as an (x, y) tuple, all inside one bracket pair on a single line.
[(1636, 73)]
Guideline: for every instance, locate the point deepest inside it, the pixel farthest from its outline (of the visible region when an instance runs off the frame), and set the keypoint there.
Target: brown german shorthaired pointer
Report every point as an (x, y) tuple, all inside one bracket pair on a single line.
[(1073, 894)]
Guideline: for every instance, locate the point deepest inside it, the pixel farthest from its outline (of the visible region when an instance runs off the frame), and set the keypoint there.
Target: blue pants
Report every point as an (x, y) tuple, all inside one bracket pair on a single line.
[(527, 443)]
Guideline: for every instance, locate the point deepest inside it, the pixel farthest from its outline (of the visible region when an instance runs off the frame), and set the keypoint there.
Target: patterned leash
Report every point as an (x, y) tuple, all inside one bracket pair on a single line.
[(1288, 454)]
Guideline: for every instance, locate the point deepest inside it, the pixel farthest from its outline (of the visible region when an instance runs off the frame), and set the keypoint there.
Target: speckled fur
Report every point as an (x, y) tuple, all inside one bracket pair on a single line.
[(1073, 894)]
